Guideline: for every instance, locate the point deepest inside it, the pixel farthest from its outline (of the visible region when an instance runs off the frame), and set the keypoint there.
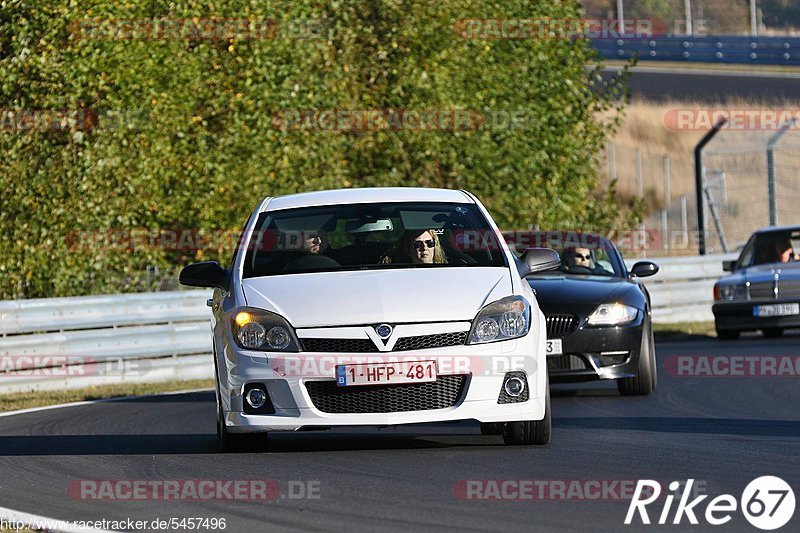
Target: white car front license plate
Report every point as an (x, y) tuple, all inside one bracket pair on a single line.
[(386, 373), (554, 347), (776, 310)]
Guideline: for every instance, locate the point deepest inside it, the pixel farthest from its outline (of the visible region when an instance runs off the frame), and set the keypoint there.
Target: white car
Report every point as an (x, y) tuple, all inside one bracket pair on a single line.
[(376, 307)]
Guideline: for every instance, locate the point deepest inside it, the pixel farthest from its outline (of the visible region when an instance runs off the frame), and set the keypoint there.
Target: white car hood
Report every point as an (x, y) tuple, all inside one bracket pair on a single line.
[(376, 296)]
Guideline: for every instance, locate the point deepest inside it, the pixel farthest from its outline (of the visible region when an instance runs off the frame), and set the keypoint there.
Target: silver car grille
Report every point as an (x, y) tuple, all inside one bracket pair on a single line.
[(765, 290), (789, 288)]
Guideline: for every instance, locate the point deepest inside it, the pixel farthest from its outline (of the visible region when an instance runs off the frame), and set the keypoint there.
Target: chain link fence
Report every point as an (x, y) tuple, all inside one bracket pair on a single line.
[(707, 17), (751, 180)]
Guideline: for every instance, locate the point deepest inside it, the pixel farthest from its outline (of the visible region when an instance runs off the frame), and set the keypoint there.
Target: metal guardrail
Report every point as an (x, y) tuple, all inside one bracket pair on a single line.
[(54, 343), (61, 314), (683, 289), (74, 342), (708, 49)]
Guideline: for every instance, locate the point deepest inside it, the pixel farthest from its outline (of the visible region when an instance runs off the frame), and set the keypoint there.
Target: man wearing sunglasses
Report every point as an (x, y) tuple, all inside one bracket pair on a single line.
[(583, 257), (315, 242), (579, 260)]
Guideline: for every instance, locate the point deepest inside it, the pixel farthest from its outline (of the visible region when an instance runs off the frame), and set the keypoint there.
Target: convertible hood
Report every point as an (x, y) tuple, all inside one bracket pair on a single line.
[(575, 289), (369, 297)]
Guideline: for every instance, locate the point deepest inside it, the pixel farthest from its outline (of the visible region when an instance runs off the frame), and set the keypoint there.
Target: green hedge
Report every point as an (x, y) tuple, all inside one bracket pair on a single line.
[(181, 134)]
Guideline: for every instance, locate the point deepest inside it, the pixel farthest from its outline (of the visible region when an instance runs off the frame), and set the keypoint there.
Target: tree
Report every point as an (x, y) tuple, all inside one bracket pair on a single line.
[(187, 134)]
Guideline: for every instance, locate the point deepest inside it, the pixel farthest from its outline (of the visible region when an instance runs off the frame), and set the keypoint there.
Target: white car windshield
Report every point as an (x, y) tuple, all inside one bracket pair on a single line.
[(371, 236)]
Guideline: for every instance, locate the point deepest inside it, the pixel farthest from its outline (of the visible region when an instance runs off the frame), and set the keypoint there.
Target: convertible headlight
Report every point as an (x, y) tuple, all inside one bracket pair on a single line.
[(730, 292), (615, 314), (255, 329), (504, 319)]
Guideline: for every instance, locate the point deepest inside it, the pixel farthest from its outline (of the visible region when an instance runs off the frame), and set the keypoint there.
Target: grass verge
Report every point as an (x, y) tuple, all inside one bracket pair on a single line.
[(681, 330), (27, 400)]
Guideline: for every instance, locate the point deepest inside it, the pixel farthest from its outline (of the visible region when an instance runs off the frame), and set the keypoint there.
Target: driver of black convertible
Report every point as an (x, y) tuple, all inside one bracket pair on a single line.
[(580, 261)]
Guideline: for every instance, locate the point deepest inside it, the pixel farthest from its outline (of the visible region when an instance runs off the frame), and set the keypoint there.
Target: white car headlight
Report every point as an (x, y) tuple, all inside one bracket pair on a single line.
[(508, 318), (255, 329), (615, 314)]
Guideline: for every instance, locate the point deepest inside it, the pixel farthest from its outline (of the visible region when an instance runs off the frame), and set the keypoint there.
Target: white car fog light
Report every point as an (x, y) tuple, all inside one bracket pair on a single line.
[(514, 387), (256, 398)]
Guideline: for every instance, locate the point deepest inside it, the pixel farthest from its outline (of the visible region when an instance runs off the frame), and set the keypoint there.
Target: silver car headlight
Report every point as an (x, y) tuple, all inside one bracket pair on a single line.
[(256, 329), (507, 318), (615, 314), (731, 292)]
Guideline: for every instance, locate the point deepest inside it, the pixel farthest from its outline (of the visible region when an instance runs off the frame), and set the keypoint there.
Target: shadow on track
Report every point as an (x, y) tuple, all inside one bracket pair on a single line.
[(718, 426), (302, 442)]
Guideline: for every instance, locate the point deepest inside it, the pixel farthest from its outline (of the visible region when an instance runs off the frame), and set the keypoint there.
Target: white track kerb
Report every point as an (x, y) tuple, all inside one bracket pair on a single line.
[(41, 523), (56, 525)]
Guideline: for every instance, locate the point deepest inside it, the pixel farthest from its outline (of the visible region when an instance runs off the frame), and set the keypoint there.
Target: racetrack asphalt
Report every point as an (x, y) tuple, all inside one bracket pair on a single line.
[(721, 431), (711, 86)]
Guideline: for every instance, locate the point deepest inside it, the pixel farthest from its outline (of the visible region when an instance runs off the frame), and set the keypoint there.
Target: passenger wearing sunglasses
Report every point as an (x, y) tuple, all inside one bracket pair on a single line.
[(418, 248)]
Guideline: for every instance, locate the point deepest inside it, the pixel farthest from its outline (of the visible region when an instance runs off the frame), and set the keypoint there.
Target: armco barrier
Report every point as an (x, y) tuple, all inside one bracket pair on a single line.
[(707, 49), (123, 338), (683, 289), (166, 335)]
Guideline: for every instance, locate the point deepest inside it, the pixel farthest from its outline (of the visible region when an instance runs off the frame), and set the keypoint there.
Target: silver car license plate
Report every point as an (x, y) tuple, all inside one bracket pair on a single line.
[(776, 310)]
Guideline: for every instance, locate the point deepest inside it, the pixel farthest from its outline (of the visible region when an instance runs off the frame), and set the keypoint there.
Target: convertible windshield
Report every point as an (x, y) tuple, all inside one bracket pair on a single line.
[(370, 236), (595, 261), (581, 253)]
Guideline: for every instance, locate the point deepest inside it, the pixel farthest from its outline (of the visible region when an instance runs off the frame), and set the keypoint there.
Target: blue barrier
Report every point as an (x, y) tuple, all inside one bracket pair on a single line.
[(709, 49)]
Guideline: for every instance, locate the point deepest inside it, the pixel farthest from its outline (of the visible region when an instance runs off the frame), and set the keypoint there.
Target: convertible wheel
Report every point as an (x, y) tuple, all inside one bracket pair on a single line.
[(773, 332), (728, 334), (645, 379), (531, 431)]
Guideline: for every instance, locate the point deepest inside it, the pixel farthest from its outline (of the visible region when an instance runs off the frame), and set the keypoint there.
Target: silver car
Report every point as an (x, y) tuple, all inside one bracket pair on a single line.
[(763, 291)]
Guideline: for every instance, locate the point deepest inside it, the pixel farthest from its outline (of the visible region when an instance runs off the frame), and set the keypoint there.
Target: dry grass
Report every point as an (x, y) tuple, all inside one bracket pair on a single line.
[(739, 154), (27, 400), (645, 126)]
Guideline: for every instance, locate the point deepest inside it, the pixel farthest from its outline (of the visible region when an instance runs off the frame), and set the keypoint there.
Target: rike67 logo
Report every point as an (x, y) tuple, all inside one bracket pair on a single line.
[(767, 503)]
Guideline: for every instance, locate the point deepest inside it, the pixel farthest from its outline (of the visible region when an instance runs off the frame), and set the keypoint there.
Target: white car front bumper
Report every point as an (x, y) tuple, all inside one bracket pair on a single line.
[(287, 376)]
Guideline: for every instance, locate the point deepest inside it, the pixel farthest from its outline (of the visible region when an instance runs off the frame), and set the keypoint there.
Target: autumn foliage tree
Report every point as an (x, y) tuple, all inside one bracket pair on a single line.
[(180, 132)]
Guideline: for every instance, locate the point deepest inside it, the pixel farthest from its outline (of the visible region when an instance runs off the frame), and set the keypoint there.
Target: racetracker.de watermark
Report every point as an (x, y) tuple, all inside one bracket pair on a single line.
[(552, 489), (65, 366), (733, 366), (552, 28), (193, 489), (196, 29), (741, 119), (22, 120), (194, 239), (300, 365), (43, 120), (370, 120)]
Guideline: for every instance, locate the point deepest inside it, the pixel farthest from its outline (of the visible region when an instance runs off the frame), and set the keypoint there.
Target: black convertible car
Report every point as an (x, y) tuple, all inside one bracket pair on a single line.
[(598, 315)]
